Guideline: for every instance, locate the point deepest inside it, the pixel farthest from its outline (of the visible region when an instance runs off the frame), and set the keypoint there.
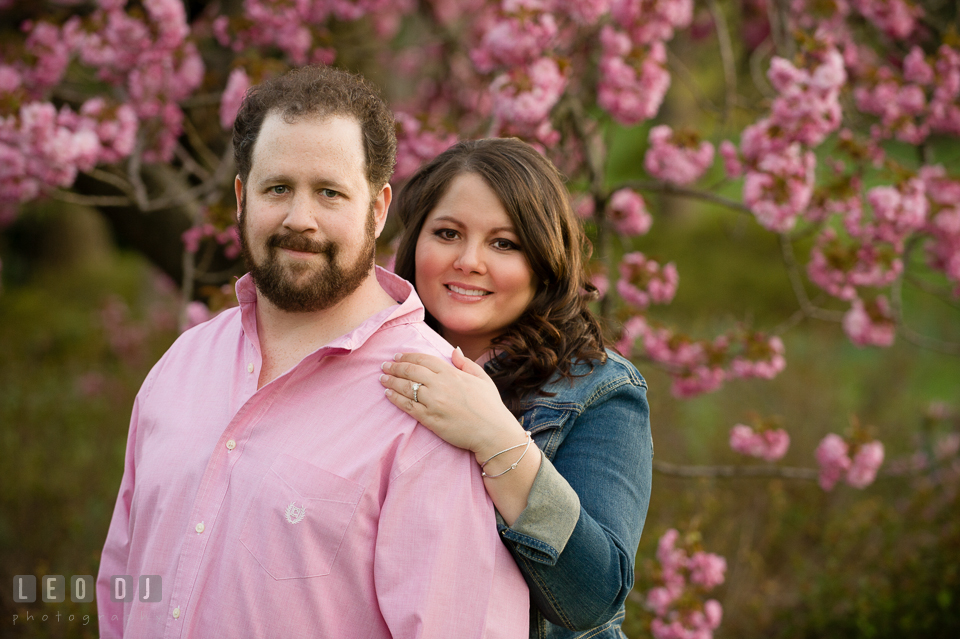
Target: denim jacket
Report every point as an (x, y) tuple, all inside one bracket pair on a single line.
[(577, 539)]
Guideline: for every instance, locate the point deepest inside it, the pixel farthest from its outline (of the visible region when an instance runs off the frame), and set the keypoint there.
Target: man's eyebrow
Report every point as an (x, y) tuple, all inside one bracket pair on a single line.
[(280, 178)]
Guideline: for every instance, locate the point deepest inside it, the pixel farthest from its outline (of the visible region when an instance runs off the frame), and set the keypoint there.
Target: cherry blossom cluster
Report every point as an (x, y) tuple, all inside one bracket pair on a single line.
[(855, 462), (146, 56), (633, 75), (678, 157), (702, 366), (229, 238), (298, 28), (918, 99), (417, 144), (644, 281), (870, 323), (684, 575), (628, 214), (943, 222), (777, 159), (770, 444), (526, 46)]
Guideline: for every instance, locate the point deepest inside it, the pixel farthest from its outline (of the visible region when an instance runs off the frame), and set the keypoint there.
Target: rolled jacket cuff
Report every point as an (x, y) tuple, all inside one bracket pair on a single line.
[(543, 528)]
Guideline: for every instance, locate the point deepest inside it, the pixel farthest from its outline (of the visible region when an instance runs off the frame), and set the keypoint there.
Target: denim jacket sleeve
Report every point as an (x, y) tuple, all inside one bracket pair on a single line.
[(576, 541)]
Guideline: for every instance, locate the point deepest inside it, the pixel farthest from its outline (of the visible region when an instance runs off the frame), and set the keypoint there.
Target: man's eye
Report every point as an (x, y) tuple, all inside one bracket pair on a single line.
[(329, 193), (279, 189)]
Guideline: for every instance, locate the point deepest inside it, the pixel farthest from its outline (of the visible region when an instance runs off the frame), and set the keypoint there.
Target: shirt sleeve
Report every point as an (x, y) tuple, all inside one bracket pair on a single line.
[(440, 568), (113, 560), (577, 551)]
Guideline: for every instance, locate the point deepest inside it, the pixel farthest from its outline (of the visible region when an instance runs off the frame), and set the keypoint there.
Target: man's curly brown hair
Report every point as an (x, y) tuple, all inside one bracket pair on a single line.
[(320, 91)]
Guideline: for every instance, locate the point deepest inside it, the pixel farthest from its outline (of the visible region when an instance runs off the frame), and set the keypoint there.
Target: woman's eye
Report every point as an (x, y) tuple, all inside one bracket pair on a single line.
[(446, 234), (505, 245)]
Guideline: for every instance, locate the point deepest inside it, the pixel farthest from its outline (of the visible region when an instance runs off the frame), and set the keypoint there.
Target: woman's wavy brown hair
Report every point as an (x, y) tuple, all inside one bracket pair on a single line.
[(557, 329)]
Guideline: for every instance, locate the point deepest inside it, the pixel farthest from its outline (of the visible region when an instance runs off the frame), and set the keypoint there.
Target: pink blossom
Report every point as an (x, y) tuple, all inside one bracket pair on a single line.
[(898, 211), (514, 41), (633, 81), (643, 281), (602, 284), (770, 445), (707, 569), (762, 357), (838, 265), (524, 97), (833, 459), (780, 188), (632, 329), (698, 380), (417, 144), (866, 462), (237, 84), (196, 313), (731, 159), (870, 323), (628, 213), (651, 20), (584, 12), (896, 18), (677, 158)]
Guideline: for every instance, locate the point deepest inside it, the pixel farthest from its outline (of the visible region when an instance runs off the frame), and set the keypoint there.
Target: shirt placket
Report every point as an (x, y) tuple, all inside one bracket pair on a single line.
[(213, 486)]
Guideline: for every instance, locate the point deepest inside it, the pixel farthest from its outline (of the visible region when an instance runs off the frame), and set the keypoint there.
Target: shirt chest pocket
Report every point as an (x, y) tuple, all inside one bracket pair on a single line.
[(296, 523)]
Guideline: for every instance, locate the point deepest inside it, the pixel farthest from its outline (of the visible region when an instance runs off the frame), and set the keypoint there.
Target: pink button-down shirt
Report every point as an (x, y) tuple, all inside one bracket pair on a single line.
[(312, 507)]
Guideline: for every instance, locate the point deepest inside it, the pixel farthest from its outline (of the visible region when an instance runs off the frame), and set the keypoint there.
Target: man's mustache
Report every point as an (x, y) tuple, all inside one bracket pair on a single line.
[(298, 242)]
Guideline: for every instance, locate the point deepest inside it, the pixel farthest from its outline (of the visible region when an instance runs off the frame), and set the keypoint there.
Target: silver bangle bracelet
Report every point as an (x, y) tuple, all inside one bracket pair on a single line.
[(526, 446)]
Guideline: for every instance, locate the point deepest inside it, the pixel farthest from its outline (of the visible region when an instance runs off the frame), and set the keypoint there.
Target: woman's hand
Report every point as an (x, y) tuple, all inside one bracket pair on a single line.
[(459, 403)]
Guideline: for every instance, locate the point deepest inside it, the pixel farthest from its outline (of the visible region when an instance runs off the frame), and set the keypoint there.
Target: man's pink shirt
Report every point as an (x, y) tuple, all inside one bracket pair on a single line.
[(311, 507)]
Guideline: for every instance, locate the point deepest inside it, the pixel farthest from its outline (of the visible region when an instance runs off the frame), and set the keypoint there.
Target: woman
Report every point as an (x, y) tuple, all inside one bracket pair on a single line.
[(494, 251)]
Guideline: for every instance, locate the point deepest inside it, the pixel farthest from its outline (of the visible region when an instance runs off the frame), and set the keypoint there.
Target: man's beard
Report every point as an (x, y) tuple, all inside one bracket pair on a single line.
[(326, 286)]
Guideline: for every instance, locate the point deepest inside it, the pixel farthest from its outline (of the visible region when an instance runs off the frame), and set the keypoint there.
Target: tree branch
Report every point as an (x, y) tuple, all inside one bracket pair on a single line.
[(726, 55), (793, 271), (929, 343), (896, 468), (90, 200), (670, 189)]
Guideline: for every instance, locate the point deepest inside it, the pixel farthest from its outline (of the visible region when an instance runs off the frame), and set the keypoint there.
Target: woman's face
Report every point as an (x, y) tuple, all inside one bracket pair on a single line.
[(471, 272)]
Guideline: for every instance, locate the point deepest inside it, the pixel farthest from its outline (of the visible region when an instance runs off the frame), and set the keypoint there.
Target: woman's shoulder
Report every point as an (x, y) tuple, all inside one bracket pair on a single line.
[(592, 380)]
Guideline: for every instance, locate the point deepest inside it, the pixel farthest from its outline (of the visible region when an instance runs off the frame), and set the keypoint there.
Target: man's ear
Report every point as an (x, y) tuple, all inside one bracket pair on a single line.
[(381, 206), (238, 189)]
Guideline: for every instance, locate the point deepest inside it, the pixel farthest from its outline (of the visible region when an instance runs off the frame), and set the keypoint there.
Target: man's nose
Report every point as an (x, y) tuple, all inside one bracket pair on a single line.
[(302, 215)]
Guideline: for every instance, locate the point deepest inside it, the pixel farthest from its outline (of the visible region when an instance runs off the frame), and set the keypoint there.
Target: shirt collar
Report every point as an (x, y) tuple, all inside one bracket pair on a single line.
[(409, 310)]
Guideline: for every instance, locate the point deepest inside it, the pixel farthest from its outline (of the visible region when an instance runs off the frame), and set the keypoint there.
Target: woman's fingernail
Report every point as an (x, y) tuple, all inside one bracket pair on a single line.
[(385, 366), (383, 378)]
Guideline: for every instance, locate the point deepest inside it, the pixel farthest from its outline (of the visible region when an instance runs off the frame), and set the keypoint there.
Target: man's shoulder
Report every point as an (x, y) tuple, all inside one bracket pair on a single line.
[(413, 337)]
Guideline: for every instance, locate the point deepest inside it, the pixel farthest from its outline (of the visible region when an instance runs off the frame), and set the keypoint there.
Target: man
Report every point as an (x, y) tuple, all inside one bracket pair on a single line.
[(268, 481)]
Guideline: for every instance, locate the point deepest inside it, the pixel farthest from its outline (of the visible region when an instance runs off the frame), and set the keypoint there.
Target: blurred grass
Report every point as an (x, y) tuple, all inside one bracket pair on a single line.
[(802, 563), (65, 400)]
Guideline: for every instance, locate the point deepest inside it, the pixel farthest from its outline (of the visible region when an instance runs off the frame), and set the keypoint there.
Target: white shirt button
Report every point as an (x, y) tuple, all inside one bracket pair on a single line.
[(176, 613), (250, 368), (200, 527), (231, 444)]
